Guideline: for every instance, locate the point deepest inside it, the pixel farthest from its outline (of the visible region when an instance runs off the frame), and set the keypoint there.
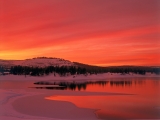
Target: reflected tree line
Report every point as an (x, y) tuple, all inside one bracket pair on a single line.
[(82, 86), (120, 83)]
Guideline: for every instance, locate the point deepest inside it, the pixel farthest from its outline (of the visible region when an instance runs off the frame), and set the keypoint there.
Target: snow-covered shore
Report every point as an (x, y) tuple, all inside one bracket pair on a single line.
[(19, 104), (104, 76), (30, 104)]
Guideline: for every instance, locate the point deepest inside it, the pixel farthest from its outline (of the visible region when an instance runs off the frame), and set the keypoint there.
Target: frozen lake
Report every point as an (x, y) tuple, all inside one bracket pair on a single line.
[(135, 98)]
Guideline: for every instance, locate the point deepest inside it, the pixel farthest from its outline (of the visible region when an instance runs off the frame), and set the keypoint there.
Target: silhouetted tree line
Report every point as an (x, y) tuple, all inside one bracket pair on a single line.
[(81, 69), (37, 71), (119, 69), (2, 69)]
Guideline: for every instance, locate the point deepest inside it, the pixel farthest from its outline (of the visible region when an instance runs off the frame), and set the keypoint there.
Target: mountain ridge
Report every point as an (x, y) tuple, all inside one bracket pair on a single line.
[(62, 65), (37, 62), (53, 61)]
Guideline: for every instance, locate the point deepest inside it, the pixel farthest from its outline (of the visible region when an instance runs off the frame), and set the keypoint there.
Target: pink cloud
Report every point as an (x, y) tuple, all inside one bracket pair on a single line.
[(106, 29)]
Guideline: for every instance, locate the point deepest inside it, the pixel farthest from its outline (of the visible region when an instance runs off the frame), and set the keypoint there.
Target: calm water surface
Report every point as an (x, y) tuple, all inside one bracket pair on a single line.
[(142, 103)]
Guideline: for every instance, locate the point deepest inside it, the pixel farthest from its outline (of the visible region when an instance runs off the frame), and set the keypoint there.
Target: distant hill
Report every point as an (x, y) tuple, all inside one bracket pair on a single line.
[(63, 66), (119, 69), (37, 62)]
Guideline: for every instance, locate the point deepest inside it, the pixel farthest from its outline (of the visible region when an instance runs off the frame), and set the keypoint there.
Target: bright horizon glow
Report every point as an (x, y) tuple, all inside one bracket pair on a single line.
[(105, 32)]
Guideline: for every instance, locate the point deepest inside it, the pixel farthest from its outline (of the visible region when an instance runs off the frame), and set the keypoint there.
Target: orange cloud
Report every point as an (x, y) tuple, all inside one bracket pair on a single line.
[(100, 33)]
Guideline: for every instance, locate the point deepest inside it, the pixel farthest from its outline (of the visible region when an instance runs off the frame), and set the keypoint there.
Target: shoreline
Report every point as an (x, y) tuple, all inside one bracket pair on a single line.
[(16, 103), (52, 109), (104, 76)]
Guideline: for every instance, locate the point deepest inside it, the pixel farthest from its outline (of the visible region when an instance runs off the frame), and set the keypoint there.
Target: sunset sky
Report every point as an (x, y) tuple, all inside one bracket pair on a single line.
[(97, 32)]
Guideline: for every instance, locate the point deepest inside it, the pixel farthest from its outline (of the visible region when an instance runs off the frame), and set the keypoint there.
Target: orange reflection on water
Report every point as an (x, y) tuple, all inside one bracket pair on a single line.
[(143, 103)]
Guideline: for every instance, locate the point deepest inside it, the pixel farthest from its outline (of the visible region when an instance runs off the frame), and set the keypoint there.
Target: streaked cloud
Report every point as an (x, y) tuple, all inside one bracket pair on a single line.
[(102, 32)]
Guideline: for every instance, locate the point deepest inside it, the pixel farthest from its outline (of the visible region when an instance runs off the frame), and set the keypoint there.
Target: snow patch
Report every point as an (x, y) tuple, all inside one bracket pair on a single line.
[(37, 62)]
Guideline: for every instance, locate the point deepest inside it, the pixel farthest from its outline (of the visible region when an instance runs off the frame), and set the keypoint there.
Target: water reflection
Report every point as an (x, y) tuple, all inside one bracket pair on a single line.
[(83, 85), (144, 103), (51, 88), (120, 83)]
